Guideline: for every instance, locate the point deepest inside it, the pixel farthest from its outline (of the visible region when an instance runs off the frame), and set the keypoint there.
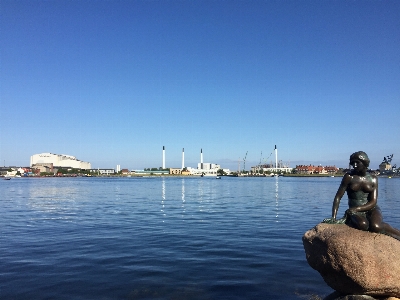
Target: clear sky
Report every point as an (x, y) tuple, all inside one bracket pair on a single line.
[(112, 82)]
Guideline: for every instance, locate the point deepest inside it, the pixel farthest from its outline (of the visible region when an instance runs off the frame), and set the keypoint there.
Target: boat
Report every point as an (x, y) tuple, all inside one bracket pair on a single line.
[(218, 177), (7, 178)]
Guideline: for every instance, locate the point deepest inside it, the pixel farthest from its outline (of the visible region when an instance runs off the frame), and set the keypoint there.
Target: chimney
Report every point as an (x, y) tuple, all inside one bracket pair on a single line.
[(183, 158), (163, 157), (201, 158)]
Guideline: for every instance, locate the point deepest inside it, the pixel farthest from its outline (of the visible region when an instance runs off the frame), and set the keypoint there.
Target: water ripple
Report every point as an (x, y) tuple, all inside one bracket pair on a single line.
[(165, 238)]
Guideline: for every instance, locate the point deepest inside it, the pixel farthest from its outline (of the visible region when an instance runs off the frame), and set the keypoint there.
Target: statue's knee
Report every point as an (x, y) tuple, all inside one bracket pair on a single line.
[(363, 225), (375, 228)]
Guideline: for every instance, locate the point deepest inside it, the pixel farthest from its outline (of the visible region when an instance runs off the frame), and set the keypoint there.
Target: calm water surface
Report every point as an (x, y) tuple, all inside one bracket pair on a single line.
[(165, 238)]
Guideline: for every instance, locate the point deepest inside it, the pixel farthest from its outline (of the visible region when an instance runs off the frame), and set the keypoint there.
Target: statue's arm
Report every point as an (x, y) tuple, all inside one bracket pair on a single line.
[(339, 194)]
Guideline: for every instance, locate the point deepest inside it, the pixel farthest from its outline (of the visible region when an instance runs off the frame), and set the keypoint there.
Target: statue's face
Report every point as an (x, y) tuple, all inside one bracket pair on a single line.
[(357, 165)]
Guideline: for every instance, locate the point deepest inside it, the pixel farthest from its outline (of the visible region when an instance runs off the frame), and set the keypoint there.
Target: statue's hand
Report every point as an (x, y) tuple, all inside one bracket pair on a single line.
[(334, 221), (329, 220), (350, 211)]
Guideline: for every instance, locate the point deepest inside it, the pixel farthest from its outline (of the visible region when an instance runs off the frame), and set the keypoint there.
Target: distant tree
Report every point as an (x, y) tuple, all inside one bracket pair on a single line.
[(46, 174), (62, 171), (221, 172)]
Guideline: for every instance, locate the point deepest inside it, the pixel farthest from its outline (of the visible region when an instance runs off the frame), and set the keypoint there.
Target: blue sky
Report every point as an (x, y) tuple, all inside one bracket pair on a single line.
[(112, 82)]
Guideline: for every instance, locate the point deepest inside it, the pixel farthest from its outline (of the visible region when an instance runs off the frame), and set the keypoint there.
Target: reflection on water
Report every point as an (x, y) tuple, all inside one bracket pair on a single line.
[(277, 198), (55, 199), (163, 192), (183, 195), (201, 193)]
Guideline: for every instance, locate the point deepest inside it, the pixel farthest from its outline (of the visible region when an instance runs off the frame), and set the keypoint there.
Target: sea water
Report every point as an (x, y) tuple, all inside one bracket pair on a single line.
[(166, 237)]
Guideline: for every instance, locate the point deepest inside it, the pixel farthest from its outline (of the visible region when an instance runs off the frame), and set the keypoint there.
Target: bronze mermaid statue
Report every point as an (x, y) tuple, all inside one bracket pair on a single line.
[(362, 191)]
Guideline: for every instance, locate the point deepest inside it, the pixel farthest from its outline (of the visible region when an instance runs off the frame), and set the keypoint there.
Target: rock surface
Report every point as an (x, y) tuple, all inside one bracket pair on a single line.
[(338, 296), (352, 261)]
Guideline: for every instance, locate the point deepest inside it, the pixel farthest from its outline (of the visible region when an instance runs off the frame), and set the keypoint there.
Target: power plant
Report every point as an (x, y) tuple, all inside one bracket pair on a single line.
[(203, 169), (210, 168)]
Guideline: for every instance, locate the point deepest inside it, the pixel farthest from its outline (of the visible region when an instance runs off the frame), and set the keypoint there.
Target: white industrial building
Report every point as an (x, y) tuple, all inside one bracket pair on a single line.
[(208, 166), (205, 169), (59, 161)]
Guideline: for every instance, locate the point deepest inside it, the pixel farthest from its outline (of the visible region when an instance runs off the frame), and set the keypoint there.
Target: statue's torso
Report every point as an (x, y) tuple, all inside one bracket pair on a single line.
[(359, 189)]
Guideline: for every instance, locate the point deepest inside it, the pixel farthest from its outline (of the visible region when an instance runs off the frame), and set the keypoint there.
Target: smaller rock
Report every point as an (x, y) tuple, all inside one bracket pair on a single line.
[(338, 296)]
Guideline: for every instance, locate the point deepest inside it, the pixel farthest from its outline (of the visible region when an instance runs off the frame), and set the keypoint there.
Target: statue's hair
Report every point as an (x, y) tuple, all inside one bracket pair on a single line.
[(362, 156)]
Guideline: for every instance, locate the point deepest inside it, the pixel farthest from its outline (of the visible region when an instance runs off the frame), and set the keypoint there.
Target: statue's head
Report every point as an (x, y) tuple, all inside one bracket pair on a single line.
[(361, 156)]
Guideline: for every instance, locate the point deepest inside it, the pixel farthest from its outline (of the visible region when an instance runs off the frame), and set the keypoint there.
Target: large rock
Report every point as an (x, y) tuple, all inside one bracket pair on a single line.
[(352, 261)]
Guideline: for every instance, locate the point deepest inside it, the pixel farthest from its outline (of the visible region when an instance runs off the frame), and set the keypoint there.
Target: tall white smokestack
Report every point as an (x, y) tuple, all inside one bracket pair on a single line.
[(183, 158), (163, 157), (201, 158), (276, 157)]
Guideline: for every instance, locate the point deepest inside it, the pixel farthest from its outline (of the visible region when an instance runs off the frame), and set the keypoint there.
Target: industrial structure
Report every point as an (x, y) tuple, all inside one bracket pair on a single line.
[(203, 169), (183, 158), (58, 161), (277, 168), (163, 157)]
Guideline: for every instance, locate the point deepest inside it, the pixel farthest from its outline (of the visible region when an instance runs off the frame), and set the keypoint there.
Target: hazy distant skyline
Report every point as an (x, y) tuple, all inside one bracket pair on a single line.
[(111, 82)]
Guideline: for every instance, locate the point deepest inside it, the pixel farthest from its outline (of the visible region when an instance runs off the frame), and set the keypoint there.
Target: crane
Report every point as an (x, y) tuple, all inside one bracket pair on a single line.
[(244, 161), (265, 159)]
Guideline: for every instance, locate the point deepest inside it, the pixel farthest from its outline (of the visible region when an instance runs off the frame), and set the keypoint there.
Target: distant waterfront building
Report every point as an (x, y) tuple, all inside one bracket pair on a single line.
[(384, 166), (271, 168), (102, 171), (149, 172), (304, 169), (175, 171), (43, 168), (59, 161), (4, 170)]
